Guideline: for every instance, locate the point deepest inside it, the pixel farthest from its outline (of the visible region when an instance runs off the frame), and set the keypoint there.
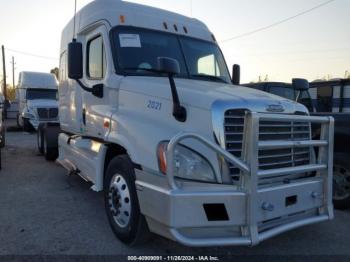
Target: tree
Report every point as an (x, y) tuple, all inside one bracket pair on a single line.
[(55, 71), (11, 93)]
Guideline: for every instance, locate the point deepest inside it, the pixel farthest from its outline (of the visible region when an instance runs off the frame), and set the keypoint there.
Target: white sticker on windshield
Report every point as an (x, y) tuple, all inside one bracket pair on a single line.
[(130, 40)]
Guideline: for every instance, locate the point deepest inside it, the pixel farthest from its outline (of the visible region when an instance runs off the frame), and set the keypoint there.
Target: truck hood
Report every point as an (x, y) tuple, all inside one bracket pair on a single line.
[(203, 94), (42, 103)]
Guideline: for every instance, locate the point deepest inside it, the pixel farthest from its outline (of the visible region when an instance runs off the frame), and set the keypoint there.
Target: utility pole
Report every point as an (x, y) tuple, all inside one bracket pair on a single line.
[(13, 72), (4, 71), (4, 82)]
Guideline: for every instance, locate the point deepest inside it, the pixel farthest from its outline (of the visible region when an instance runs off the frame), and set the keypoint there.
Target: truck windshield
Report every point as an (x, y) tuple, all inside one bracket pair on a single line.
[(33, 94), (283, 91), (138, 50)]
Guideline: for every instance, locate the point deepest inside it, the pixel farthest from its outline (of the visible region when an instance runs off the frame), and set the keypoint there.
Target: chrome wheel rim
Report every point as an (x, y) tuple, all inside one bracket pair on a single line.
[(341, 183), (119, 201)]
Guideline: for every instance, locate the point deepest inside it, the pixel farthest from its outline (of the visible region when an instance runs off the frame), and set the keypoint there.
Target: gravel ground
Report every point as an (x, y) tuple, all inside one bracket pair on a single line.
[(46, 212)]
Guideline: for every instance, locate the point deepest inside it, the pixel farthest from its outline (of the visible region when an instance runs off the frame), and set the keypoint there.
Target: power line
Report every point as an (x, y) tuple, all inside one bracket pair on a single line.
[(277, 23), (30, 54), (317, 51)]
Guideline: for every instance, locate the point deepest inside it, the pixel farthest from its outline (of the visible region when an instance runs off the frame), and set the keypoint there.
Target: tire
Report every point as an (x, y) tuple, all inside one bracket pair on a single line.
[(341, 181), (27, 127), (40, 142), (50, 153), (18, 123), (3, 137), (121, 202)]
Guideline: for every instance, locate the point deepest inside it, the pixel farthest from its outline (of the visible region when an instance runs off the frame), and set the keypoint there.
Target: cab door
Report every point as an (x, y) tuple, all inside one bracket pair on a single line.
[(96, 72), (63, 91)]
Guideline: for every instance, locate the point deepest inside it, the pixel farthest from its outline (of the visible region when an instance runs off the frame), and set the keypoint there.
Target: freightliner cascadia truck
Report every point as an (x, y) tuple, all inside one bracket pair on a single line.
[(150, 116)]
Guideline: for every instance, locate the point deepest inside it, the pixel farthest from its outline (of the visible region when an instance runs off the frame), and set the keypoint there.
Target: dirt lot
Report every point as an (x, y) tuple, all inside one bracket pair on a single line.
[(43, 211)]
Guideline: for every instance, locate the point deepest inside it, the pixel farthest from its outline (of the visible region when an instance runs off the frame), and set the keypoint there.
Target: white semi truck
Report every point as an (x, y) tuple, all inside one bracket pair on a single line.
[(150, 116), (37, 99)]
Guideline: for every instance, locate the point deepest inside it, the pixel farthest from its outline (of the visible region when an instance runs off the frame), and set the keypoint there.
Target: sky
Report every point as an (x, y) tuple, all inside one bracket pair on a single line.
[(311, 46)]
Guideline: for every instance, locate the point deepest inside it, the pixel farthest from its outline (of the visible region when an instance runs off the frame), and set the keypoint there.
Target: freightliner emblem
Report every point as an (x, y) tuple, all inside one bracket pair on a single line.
[(275, 108)]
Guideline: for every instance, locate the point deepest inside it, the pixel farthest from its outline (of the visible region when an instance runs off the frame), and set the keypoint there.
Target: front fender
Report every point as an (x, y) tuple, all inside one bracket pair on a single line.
[(118, 139)]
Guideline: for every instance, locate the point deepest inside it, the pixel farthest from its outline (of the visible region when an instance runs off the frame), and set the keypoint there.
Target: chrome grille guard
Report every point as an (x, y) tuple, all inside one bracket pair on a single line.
[(249, 168)]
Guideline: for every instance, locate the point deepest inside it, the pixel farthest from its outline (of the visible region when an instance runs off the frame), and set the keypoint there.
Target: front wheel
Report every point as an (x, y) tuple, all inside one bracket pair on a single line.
[(3, 134), (40, 140), (341, 181), (18, 121), (121, 202), (27, 127), (50, 152)]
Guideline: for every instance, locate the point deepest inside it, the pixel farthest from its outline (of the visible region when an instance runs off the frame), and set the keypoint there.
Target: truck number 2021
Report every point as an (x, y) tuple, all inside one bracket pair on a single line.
[(154, 105)]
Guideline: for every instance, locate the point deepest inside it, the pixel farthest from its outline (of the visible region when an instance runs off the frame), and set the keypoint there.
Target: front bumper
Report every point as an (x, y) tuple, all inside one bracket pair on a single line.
[(198, 214), (216, 217), (35, 123)]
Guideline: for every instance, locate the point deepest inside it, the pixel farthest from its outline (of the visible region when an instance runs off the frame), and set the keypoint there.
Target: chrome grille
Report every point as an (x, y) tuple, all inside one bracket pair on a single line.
[(234, 125), (268, 130), (53, 112), (47, 113)]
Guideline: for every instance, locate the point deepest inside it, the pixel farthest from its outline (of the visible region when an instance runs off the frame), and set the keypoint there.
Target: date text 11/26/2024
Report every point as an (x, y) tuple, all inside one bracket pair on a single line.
[(173, 258)]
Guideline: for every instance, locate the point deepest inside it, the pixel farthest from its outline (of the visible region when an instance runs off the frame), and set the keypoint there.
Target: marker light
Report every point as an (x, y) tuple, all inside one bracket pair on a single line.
[(161, 153)]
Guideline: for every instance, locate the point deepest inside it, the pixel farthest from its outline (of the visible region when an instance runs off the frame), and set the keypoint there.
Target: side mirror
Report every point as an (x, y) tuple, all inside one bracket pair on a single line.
[(168, 65), (75, 68), (97, 90), (236, 74), (300, 84), (171, 67), (75, 60)]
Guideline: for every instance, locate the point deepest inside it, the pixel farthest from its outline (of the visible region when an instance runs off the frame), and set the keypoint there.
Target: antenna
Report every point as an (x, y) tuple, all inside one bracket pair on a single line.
[(191, 7), (75, 15)]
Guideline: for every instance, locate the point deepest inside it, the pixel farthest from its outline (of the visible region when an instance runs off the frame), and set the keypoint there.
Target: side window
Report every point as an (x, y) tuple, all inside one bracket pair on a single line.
[(208, 65), (96, 60)]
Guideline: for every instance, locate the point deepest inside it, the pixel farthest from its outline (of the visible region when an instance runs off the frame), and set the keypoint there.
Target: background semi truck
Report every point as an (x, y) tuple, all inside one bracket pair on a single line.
[(327, 98), (2, 128), (150, 116), (37, 99), (2, 121)]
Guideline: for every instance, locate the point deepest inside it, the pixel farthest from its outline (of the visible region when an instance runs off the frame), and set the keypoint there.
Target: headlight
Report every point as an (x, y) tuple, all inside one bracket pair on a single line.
[(188, 164), (28, 115)]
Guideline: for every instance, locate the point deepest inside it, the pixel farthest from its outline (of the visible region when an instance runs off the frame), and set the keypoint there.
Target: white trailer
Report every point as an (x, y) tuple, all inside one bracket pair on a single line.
[(149, 115), (37, 99)]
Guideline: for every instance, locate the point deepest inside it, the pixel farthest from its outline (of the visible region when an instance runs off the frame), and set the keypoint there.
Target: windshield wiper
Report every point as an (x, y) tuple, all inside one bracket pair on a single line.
[(144, 69), (209, 77)]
